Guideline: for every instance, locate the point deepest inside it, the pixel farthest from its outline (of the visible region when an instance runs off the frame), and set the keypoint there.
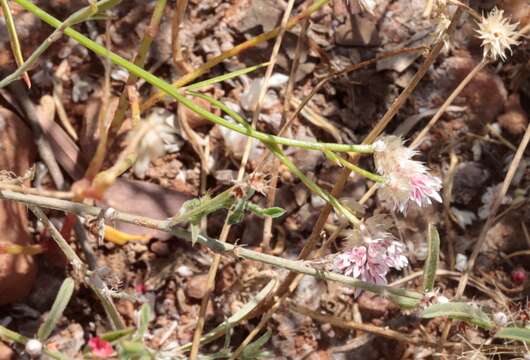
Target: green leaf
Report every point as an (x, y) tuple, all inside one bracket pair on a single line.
[(404, 302), (459, 311), (60, 303), (194, 233), (144, 317), (431, 264), (111, 336), (233, 320), (133, 350), (273, 212), (253, 350), (227, 76), (237, 212), (514, 333)]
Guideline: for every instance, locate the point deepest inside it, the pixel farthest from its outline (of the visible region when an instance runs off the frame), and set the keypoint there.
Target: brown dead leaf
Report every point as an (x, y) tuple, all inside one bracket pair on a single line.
[(145, 199), (17, 272)]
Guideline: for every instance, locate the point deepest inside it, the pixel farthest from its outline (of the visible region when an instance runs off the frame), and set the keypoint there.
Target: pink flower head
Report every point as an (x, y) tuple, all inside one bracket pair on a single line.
[(100, 348), (407, 180), (376, 254)]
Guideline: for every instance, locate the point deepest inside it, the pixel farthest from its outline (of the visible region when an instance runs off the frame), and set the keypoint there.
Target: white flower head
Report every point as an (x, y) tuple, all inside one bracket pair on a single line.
[(34, 347), (498, 35), (160, 138), (367, 5), (406, 180), (375, 253), (500, 318)]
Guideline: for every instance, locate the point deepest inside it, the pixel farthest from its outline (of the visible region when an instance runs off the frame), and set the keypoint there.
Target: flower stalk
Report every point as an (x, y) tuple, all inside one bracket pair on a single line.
[(401, 296), (175, 93)]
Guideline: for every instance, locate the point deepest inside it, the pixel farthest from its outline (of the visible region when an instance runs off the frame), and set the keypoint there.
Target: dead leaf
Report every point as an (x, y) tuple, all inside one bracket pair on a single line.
[(17, 272)]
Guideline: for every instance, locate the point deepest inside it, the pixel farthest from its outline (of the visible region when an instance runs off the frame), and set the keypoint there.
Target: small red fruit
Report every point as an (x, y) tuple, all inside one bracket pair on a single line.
[(519, 276)]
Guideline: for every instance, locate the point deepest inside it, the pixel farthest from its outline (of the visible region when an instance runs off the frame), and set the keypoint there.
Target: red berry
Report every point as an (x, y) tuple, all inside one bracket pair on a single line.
[(519, 276)]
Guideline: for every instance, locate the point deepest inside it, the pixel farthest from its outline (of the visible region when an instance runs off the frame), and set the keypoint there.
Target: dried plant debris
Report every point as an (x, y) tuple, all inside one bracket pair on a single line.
[(378, 208)]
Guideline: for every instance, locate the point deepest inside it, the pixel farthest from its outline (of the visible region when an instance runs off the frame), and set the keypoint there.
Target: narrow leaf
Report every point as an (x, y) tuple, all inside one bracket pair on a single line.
[(227, 76), (459, 311), (431, 264), (233, 320), (144, 317), (60, 303), (111, 336), (273, 212), (253, 350), (237, 212), (514, 333)]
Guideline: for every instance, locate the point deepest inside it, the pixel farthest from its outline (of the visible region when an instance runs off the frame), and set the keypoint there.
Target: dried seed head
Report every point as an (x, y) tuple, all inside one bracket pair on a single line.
[(34, 347), (498, 35)]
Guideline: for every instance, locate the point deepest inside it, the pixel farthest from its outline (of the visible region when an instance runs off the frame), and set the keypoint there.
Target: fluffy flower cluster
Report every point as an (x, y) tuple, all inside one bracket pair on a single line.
[(406, 180), (498, 35), (372, 260)]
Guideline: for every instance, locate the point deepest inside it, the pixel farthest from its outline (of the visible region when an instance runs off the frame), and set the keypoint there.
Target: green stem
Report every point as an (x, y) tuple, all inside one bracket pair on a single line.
[(79, 16), (312, 185), (5, 333), (207, 206), (78, 265), (285, 160), (360, 171), (396, 294), (139, 61), (174, 92), (13, 37)]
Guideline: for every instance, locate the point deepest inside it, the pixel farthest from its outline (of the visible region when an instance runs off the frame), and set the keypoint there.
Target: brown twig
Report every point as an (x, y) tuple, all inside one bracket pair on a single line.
[(380, 126), (43, 146), (176, 23), (226, 227), (352, 325), (271, 193)]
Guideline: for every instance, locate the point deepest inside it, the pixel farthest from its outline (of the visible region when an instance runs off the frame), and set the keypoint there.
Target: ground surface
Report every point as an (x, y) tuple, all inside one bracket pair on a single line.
[(470, 149)]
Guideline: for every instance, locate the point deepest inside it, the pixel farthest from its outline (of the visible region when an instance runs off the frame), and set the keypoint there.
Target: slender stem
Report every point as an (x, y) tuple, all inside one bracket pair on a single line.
[(388, 333), (311, 185), (186, 79), (275, 149), (13, 38), (139, 60), (174, 92), (5, 333), (223, 200), (371, 137), (360, 171), (70, 254), (78, 265), (447, 102), (213, 244), (78, 16), (176, 23)]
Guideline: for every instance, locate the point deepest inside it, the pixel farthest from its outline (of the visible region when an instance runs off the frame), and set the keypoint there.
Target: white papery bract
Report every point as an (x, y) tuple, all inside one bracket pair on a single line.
[(406, 180), (498, 35), (368, 5)]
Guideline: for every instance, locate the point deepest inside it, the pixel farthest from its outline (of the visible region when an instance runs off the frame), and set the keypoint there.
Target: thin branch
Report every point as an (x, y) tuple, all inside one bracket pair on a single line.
[(213, 244)]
